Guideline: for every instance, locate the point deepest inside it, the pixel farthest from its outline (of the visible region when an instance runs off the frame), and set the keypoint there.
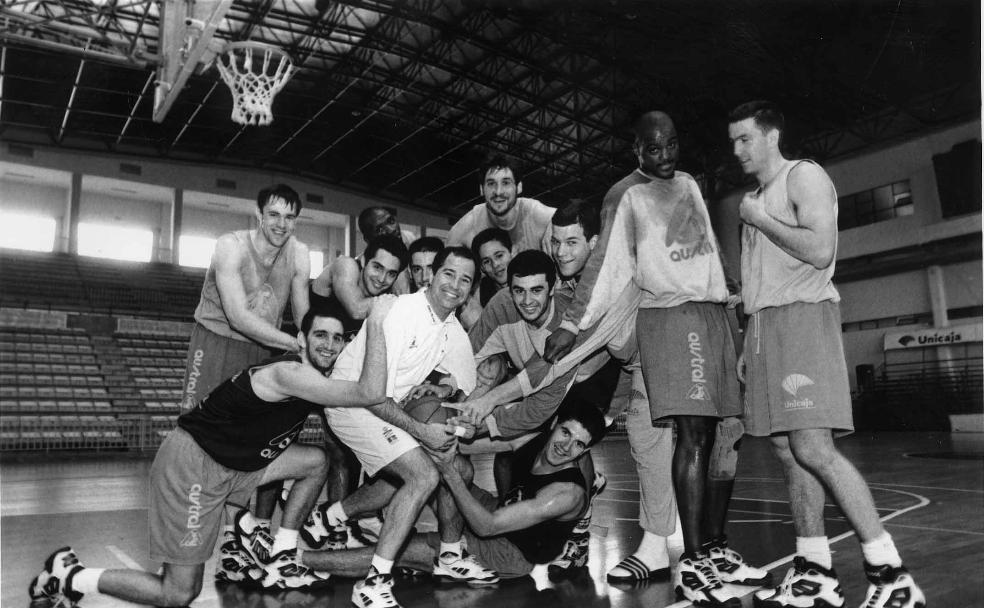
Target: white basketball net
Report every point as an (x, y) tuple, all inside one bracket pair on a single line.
[(255, 73)]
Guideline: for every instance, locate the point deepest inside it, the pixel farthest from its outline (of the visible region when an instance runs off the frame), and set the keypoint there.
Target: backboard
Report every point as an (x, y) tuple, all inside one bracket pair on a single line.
[(184, 34)]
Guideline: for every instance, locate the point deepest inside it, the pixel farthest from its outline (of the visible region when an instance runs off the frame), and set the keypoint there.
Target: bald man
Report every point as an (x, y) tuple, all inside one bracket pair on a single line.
[(686, 345)]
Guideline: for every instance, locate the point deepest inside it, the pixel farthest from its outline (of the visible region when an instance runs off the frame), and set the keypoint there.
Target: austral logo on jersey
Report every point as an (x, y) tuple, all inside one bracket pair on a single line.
[(281, 442), (697, 392), (686, 231), (792, 385), (685, 253)]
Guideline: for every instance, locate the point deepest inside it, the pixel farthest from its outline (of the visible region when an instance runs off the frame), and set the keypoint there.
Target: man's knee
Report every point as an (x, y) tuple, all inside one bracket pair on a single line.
[(693, 432), (814, 452), (180, 588), (417, 471)]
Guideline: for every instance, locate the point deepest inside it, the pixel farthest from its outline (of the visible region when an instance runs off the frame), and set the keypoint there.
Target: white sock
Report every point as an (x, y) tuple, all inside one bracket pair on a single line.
[(881, 551), (336, 514), (454, 548), (284, 540), (815, 549), (380, 565), (228, 529), (262, 521), (652, 551), (86, 580), (248, 522)]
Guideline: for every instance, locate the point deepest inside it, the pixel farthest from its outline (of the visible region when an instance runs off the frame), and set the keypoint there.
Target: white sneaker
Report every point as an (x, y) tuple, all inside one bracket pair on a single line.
[(315, 531), (451, 568), (732, 568), (285, 572), (806, 585), (697, 581), (375, 592), (573, 557), (54, 583), (892, 588), (235, 565), (256, 541)]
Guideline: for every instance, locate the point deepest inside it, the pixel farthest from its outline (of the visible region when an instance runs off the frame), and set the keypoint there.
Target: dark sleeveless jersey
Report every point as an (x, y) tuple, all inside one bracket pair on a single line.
[(331, 306), (540, 543), (241, 431)]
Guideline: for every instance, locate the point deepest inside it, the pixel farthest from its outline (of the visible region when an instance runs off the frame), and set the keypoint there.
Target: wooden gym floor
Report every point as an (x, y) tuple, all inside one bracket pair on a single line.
[(929, 489)]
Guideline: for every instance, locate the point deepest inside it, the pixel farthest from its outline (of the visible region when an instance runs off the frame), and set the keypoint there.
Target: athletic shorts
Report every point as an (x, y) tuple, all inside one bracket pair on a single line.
[(688, 360), (188, 493), (376, 443), (495, 552), (213, 359), (795, 373)]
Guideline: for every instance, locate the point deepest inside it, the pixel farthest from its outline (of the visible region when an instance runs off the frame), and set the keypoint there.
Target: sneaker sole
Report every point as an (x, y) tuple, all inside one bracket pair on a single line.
[(765, 581), (732, 602), (471, 582), (819, 603)]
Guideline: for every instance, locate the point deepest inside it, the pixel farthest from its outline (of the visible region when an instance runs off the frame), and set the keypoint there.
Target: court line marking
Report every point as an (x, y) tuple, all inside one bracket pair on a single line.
[(932, 529), (125, 559), (921, 501), (942, 489)]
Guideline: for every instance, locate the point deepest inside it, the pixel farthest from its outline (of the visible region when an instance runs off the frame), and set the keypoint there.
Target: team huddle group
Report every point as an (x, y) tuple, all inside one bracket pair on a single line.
[(531, 329)]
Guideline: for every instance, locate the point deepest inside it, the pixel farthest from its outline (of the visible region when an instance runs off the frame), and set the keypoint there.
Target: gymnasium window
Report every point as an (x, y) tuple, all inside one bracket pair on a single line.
[(31, 232), (195, 251), (317, 262), (102, 241), (875, 205)]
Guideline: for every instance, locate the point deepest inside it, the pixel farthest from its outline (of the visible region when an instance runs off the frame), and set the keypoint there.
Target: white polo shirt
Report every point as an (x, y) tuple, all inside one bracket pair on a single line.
[(417, 343)]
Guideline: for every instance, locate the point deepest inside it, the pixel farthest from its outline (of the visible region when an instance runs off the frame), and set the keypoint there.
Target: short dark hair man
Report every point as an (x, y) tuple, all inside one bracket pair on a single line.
[(351, 283), (422, 334), (239, 437), (789, 248), (525, 219), (252, 275), (529, 525), (422, 254)]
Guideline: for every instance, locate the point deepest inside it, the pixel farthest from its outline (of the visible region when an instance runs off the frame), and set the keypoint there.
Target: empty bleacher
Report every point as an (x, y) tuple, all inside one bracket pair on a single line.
[(66, 387), (63, 282)]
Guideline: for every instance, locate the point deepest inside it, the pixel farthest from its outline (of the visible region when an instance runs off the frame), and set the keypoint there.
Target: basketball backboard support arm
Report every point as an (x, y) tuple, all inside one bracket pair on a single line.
[(186, 29)]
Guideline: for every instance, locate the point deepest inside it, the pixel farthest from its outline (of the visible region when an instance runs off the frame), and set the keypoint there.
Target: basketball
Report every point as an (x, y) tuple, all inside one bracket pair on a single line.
[(427, 409)]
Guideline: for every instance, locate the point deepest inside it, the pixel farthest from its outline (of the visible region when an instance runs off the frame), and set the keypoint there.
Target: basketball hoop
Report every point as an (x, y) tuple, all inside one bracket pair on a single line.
[(255, 73)]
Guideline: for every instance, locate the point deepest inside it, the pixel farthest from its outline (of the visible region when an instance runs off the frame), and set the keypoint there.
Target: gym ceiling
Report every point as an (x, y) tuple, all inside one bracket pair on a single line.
[(403, 100)]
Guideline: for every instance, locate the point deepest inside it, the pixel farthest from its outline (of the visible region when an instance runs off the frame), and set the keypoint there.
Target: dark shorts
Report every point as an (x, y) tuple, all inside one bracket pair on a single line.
[(495, 552), (795, 373), (188, 493), (213, 359), (689, 361)]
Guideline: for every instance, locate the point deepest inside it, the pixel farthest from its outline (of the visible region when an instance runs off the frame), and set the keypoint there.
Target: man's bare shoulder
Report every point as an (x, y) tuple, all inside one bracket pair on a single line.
[(806, 180)]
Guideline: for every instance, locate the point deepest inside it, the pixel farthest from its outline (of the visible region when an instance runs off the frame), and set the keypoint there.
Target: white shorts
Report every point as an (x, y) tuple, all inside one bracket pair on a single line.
[(376, 443)]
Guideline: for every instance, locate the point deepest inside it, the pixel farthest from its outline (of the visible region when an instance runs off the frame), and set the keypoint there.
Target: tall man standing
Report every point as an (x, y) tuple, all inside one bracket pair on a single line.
[(797, 387), (247, 286), (657, 238), (526, 220)]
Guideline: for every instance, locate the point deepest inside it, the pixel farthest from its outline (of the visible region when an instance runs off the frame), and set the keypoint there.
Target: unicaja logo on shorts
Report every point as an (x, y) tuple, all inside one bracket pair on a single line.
[(792, 384), (697, 392), (193, 538)]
